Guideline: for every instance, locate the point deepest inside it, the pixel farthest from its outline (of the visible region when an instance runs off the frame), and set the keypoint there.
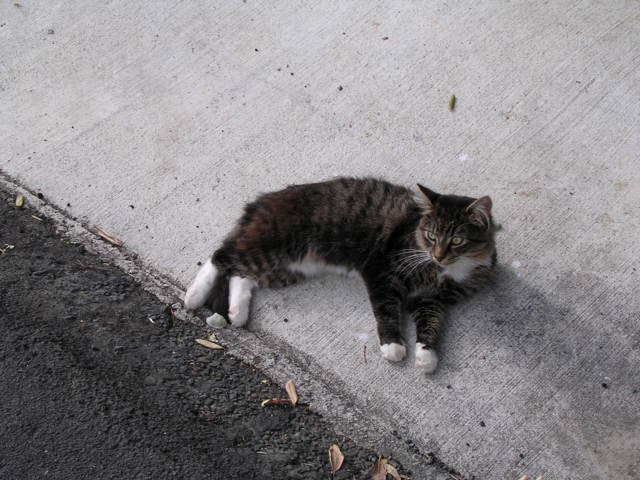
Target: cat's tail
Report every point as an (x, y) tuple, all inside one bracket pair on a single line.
[(211, 287)]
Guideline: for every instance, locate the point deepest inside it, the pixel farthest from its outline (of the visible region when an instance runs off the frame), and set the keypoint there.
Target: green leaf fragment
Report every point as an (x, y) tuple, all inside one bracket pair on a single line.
[(452, 102)]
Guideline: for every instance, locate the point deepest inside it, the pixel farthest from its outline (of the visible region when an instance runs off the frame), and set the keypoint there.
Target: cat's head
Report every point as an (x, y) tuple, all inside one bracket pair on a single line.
[(453, 227)]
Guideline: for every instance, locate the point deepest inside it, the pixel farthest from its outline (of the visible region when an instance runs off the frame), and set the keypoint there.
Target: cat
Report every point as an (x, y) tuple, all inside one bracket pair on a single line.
[(417, 252)]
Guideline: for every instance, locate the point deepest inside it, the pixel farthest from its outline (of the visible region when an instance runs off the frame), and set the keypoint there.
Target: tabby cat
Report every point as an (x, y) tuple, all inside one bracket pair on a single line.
[(416, 252)]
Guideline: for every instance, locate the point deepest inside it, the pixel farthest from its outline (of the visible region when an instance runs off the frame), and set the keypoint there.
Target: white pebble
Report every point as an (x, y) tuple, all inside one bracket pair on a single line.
[(216, 321), (362, 336)]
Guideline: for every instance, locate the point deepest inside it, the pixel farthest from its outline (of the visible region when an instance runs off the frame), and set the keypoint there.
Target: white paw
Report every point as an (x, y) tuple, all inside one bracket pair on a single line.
[(195, 297), (240, 300), (239, 314), (199, 290), (426, 359), (394, 352)]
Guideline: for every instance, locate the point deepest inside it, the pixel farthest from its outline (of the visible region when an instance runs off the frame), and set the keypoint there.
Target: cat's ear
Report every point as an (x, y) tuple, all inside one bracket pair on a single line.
[(428, 198), (480, 211)]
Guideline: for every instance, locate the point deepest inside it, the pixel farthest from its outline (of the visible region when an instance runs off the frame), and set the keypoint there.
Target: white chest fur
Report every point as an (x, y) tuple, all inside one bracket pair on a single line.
[(462, 268)]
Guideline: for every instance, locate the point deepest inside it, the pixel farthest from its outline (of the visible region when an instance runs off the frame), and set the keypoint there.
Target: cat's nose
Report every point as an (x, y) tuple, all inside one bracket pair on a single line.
[(438, 258), (438, 253)]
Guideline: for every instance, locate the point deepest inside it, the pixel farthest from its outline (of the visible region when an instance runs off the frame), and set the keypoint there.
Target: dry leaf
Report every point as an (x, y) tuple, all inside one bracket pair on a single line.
[(524, 477), (382, 468), (391, 470), (379, 469), (109, 238), (539, 478), (208, 344), (336, 458), (6, 248), (20, 201), (275, 401), (290, 387)]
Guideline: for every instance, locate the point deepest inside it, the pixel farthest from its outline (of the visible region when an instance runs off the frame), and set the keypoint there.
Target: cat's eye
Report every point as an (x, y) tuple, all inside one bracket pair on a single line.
[(456, 240), (431, 236)]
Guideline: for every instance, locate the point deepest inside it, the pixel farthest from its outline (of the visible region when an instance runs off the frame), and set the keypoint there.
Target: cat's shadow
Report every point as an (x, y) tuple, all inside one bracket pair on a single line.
[(516, 329), (508, 321), (506, 313), (541, 364)]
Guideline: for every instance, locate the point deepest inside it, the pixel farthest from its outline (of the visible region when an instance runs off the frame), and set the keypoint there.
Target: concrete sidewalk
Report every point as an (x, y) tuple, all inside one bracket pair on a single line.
[(156, 121)]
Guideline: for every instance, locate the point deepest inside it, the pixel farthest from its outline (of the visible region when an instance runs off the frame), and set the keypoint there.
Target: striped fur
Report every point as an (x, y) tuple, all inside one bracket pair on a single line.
[(406, 247)]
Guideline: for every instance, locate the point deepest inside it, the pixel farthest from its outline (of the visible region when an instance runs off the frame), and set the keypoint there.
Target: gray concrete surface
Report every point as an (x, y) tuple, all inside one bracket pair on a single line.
[(185, 110)]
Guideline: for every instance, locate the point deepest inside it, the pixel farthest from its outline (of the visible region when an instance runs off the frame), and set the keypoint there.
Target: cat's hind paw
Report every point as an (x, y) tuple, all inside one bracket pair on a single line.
[(426, 359), (199, 290), (239, 314), (240, 300), (394, 352)]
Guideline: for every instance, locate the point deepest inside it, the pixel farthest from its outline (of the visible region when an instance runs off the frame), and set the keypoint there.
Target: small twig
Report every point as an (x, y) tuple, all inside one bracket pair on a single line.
[(109, 238), (276, 401), (364, 353)]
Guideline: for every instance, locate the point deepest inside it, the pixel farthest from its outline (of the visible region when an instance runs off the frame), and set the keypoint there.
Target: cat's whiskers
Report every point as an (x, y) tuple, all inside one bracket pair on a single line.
[(412, 255), (408, 266), (408, 250), (409, 254), (413, 259), (410, 258), (424, 261), (405, 264)]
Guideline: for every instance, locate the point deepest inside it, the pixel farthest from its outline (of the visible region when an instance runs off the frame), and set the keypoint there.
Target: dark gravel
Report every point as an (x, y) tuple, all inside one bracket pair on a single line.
[(98, 380)]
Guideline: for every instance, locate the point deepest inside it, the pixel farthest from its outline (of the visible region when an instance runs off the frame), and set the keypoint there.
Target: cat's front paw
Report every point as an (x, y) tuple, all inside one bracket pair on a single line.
[(394, 352), (426, 359)]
